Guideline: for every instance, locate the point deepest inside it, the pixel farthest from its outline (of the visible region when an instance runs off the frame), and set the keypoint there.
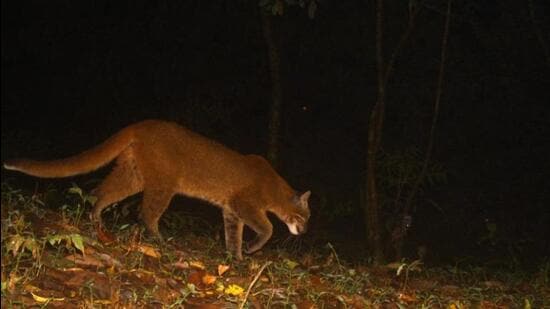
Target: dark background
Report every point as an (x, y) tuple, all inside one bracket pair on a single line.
[(73, 73)]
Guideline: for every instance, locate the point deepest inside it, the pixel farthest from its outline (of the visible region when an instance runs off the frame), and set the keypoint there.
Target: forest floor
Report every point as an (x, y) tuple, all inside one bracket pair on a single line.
[(52, 257)]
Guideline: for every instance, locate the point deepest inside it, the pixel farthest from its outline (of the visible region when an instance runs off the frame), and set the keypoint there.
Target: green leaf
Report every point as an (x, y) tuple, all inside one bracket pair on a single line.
[(290, 264), (78, 242), (55, 239), (91, 199), (75, 190)]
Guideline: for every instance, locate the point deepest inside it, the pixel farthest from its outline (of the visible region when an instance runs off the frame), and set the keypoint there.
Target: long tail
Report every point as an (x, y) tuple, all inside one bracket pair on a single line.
[(82, 163)]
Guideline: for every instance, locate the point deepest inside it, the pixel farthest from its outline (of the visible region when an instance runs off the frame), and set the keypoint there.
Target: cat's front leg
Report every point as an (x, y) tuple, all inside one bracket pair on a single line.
[(233, 234), (263, 229)]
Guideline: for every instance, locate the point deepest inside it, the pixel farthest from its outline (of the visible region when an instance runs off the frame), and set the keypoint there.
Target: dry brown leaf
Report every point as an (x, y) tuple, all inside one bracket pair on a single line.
[(195, 277), (407, 298), (197, 265), (41, 299), (148, 250), (208, 279), (181, 264), (109, 260), (30, 288), (222, 269)]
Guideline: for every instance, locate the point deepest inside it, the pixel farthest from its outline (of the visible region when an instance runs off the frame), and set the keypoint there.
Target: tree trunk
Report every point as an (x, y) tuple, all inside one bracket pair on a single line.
[(376, 120), (276, 89), (372, 217), (429, 147)]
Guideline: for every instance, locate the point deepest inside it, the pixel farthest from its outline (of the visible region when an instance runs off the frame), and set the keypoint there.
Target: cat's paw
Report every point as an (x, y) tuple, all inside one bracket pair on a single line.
[(249, 248)]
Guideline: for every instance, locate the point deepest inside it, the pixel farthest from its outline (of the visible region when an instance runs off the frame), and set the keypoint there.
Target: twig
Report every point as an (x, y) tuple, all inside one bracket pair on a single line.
[(241, 306), (435, 115)]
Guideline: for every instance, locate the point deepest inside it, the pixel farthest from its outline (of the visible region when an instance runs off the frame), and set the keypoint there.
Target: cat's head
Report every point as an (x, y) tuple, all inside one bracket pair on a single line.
[(296, 220)]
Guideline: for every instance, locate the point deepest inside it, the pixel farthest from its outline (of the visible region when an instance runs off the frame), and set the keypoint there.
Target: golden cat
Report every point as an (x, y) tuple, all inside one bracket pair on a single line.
[(162, 159)]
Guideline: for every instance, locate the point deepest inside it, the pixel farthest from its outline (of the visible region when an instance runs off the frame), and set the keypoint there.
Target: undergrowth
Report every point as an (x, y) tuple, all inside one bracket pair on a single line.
[(51, 256)]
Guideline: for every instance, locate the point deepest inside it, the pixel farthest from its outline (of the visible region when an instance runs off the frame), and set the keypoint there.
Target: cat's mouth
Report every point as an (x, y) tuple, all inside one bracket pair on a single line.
[(295, 228)]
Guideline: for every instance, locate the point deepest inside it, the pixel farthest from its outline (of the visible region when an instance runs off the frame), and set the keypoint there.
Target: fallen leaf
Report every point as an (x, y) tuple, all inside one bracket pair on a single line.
[(290, 264), (407, 298), (148, 250), (30, 288), (102, 302), (197, 265), (208, 279), (456, 305), (109, 260), (181, 265), (40, 299), (234, 290), (222, 269), (195, 277)]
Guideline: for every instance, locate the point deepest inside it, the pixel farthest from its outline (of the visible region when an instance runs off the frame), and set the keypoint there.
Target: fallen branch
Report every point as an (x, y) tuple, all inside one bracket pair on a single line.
[(241, 306)]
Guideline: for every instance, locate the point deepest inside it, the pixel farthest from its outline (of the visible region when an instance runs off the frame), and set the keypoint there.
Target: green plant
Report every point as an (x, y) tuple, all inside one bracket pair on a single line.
[(82, 200), (72, 241), (344, 279), (16, 248), (19, 243), (415, 265)]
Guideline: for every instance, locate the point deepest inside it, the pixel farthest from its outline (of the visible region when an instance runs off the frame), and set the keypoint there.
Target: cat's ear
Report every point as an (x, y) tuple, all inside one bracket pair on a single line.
[(304, 198)]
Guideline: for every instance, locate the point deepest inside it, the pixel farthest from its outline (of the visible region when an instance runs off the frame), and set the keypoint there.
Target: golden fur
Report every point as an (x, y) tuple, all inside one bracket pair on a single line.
[(162, 159)]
